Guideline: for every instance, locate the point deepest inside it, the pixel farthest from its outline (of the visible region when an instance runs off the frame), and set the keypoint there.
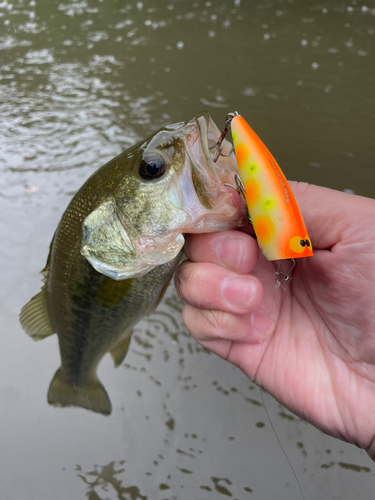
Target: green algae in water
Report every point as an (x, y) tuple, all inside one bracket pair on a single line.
[(354, 467)]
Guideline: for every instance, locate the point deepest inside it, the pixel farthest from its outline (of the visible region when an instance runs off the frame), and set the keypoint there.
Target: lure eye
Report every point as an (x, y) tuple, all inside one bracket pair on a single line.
[(152, 168), (305, 242), (298, 244)]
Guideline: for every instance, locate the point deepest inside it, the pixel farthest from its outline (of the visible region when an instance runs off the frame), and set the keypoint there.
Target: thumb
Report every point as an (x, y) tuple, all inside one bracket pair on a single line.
[(329, 213)]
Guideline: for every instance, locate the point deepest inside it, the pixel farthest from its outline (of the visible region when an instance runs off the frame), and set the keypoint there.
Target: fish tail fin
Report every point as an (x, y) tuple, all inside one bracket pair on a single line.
[(91, 396)]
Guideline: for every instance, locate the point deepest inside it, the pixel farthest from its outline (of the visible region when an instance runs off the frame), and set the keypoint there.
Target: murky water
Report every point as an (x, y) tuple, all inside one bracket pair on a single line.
[(81, 81)]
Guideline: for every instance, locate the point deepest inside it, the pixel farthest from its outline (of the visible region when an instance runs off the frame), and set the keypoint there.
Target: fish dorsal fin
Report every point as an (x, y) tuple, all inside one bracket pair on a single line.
[(34, 317)]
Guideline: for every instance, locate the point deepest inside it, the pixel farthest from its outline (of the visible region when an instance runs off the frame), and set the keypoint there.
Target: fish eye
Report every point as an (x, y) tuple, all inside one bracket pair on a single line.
[(152, 168)]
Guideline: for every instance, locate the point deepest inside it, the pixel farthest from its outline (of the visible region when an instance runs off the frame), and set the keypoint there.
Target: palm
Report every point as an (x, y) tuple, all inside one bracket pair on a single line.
[(325, 315), (318, 357)]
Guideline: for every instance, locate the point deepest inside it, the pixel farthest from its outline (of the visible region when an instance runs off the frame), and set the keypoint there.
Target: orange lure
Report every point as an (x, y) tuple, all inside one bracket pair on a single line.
[(273, 209)]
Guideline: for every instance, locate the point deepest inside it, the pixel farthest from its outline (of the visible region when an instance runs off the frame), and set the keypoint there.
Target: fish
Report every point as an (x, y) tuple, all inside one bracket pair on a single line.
[(117, 246)]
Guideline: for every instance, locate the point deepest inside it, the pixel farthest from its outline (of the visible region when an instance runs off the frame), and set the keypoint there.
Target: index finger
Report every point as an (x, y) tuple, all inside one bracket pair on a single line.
[(232, 250)]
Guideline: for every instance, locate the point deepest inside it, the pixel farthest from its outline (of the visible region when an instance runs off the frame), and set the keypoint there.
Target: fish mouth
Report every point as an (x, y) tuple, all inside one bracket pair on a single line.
[(215, 185)]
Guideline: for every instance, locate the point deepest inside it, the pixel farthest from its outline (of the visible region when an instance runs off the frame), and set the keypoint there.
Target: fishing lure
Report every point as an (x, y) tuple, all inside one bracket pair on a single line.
[(272, 207)]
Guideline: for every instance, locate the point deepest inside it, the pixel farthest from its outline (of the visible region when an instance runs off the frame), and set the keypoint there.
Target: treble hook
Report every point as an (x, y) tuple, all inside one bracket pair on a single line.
[(217, 146), (240, 188), (286, 275)]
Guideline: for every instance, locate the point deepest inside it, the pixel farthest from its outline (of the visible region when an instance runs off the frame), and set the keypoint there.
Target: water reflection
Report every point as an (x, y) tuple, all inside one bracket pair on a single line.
[(79, 82), (103, 480), (107, 480)]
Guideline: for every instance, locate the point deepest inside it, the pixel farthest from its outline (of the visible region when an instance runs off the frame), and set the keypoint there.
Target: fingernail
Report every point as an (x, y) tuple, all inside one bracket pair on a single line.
[(261, 322), (229, 252), (238, 291)]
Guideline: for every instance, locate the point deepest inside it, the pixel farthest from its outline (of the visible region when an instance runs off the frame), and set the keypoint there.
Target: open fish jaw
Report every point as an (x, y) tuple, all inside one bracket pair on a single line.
[(142, 224), (218, 207)]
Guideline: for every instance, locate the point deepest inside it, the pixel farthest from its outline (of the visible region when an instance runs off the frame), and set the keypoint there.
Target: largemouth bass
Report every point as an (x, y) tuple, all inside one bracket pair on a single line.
[(117, 246)]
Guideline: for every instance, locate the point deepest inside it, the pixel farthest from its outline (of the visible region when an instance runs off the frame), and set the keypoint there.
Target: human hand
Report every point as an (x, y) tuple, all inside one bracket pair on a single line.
[(310, 343)]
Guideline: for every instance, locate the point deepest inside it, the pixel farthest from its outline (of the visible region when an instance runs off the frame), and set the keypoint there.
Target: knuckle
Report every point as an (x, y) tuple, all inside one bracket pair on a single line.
[(181, 279), (210, 318), (218, 324), (193, 283), (187, 318)]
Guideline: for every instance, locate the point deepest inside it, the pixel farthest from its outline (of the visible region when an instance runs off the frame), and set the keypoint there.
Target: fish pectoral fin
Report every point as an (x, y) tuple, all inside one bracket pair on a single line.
[(164, 289), (120, 350), (35, 318), (91, 396)]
